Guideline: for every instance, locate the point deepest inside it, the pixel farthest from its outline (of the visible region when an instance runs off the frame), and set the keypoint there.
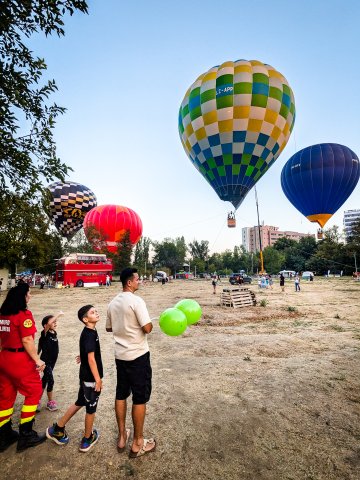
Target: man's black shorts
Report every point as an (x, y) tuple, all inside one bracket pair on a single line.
[(87, 397), (134, 377)]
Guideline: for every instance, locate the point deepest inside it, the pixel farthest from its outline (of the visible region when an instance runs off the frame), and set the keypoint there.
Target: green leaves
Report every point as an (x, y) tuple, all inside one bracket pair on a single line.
[(24, 234), (27, 121)]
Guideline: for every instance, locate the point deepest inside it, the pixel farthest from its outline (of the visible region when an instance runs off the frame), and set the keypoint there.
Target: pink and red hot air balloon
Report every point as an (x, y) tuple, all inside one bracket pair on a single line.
[(106, 225)]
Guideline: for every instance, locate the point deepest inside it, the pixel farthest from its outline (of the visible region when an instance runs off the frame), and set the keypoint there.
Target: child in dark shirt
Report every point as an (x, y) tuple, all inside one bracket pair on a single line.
[(48, 346), (91, 373)]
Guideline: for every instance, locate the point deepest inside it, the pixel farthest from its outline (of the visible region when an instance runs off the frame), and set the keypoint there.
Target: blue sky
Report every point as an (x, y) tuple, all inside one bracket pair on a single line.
[(122, 72)]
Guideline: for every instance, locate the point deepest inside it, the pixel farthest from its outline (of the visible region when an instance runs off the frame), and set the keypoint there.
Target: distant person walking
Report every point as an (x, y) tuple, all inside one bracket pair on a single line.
[(107, 281), (282, 282), (297, 283), (214, 285)]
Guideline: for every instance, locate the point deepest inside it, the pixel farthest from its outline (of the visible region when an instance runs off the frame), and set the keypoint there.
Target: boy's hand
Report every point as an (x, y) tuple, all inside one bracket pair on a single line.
[(78, 359), (98, 386)]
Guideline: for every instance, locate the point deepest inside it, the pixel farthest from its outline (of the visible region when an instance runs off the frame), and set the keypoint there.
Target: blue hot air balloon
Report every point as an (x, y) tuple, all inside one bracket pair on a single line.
[(318, 179)]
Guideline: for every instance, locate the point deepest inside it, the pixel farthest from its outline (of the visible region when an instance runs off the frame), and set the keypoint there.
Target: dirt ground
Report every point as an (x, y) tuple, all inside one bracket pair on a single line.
[(265, 392)]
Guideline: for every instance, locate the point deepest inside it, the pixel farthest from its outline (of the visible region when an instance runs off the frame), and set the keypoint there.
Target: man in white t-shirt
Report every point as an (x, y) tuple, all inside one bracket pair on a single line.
[(129, 321)]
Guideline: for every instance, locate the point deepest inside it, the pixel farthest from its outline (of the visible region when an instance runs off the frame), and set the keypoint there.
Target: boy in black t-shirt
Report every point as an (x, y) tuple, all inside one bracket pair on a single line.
[(49, 347), (91, 373)]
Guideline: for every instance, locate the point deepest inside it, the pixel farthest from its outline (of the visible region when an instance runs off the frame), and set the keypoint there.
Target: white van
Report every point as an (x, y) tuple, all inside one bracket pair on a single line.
[(288, 273)]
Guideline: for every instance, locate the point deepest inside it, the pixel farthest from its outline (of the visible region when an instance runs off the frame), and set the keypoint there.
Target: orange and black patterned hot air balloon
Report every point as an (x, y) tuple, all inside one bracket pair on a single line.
[(106, 225)]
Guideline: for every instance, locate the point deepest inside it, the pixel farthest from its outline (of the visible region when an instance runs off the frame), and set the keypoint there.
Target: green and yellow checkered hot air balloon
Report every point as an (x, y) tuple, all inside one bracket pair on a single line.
[(234, 122)]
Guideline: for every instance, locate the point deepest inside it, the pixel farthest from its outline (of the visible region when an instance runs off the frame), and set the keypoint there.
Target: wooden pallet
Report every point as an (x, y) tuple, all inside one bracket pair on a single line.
[(237, 297)]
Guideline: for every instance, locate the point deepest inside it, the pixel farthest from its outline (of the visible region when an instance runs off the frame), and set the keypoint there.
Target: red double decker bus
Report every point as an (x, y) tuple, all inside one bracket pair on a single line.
[(79, 269)]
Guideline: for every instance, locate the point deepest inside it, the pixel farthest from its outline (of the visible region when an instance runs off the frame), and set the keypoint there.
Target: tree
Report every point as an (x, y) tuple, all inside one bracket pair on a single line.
[(283, 243), (25, 237), (122, 258), (199, 250), (353, 246), (170, 253), (296, 254), (198, 265), (27, 120), (141, 253), (273, 260), (330, 255), (79, 244)]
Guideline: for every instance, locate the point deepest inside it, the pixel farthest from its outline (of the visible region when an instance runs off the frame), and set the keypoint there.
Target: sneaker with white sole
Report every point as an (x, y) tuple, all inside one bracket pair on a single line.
[(56, 435), (87, 443), (52, 406)]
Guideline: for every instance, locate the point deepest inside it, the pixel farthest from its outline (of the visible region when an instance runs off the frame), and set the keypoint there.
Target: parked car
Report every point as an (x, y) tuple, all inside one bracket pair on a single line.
[(288, 273), (307, 275), (204, 275), (233, 279), (160, 276)]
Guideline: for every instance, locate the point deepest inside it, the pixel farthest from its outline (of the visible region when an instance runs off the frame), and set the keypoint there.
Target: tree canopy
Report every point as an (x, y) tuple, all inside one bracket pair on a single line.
[(27, 119), (170, 253), (25, 238)]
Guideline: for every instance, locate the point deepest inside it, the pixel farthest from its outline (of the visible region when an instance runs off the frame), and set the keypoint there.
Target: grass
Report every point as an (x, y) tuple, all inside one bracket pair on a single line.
[(337, 316), (341, 377), (337, 328), (291, 309), (263, 303), (299, 323)]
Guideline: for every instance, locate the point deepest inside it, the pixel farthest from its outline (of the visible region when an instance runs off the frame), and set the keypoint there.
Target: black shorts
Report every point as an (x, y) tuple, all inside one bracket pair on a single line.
[(134, 377), (87, 397)]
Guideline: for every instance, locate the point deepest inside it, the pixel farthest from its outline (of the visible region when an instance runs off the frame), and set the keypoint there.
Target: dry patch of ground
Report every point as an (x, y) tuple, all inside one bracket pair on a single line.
[(259, 393)]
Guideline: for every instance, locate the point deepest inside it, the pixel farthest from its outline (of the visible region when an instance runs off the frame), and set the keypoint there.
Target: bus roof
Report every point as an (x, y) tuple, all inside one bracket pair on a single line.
[(85, 256)]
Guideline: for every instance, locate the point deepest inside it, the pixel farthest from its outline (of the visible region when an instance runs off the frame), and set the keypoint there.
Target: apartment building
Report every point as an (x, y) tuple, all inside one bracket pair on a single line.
[(350, 218), (268, 234)]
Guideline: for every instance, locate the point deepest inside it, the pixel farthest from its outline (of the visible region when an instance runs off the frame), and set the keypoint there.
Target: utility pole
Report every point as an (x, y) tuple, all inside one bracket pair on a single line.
[(259, 229), (355, 262)]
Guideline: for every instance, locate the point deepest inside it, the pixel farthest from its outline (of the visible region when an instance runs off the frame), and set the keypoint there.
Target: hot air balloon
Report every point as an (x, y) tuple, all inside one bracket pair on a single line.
[(110, 223), (69, 203), (318, 179), (234, 122)]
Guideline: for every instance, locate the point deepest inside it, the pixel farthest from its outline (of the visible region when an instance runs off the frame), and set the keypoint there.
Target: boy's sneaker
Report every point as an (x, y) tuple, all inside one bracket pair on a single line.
[(87, 443), (56, 435), (52, 406)]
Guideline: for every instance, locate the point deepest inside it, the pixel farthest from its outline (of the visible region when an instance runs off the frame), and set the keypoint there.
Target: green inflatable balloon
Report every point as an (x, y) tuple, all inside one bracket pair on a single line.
[(173, 322), (192, 310)]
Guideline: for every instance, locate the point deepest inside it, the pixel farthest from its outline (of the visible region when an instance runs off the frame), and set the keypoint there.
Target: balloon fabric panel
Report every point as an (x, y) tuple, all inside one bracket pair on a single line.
[(70, 201), (234, 122), (112, 222), (318, 179)]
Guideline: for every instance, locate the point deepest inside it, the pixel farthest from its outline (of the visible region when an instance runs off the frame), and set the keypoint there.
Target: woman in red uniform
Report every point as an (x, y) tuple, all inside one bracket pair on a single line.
[(20, 366)]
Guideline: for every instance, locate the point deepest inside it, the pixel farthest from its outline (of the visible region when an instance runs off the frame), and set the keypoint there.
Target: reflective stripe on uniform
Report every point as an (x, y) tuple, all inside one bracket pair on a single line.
[(29, 408), (27, 419), (5, 413), (5, 416), (4, 421)]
